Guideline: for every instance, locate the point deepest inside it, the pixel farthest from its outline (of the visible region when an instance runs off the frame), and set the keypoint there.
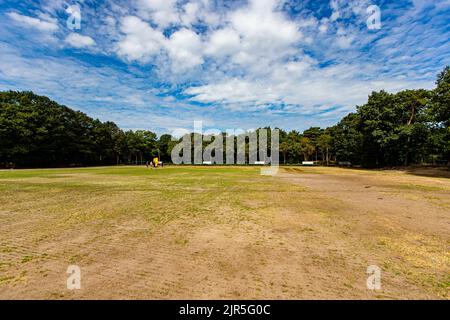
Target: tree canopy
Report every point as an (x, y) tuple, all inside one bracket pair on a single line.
[(408, 127), (38, 132)]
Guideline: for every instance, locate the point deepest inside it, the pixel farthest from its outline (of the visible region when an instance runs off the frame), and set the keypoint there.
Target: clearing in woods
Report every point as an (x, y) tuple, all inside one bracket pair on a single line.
[(223, 232)]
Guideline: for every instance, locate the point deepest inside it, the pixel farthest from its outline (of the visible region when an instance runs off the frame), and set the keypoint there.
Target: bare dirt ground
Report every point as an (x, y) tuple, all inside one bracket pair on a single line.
[(224, 233)]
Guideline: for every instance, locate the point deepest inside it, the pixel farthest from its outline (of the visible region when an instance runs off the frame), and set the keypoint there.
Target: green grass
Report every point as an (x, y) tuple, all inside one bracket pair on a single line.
[(415, 187), (157, 196), (44, 212)]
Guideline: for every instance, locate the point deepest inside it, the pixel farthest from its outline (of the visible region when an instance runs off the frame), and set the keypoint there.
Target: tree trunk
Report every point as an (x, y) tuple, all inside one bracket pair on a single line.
[(409, 123), (407, 151)]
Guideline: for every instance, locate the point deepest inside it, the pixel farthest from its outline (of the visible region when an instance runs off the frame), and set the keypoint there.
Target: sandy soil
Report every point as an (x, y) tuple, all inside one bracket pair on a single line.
[(309, 234)]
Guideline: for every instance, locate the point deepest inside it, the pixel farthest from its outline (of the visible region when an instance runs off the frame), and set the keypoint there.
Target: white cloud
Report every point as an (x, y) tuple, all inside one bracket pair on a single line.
[(324, 25), (301, 86), (264, 31), (223, 42), (191, 12), (79, 41), (256, 55), (165, 13), (196, 11), (185, 48), (335, 6), (161, 12), (46, 23), (251, 37), (264, 47), (344, 41), (141, 41)]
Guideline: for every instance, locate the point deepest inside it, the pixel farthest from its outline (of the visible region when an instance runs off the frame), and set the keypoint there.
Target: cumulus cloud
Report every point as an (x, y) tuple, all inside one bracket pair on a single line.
[(161, 12), (141, 41), (255, 33), (79, 41), (185, 48), (262, 56), (223, 42), (44, 23), (299, 93), (253, 54), (266, 34), (303, 85)]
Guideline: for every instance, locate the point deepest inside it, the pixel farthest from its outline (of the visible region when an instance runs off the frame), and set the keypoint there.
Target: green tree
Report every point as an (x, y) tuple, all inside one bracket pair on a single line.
[(313, 135), (440, 113), (307, 148), (441, 98), (347, 139), (165, 147), (411, 128), (324, 142)]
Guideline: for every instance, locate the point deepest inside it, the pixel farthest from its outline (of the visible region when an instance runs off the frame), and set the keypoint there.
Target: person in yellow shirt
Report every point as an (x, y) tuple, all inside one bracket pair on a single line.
[(155, 162)]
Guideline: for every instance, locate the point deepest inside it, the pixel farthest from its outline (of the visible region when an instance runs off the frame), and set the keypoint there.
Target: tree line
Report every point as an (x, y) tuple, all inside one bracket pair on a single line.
[(408, 127), (38, 132), (391, 129)]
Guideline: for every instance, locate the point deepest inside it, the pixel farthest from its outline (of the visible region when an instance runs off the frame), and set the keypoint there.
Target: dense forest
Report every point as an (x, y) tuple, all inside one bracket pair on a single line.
[(38, 132), (408, 127)]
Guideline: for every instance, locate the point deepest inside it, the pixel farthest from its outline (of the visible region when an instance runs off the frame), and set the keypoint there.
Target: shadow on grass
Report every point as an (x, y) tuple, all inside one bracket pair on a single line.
[(434, 172)]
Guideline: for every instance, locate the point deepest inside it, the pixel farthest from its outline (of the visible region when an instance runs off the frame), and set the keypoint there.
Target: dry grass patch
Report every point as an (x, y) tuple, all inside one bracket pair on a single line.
[(222, 232)]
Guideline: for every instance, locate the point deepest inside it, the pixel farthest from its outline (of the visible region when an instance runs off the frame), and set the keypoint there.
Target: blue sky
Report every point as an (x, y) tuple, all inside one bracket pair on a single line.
[(161, 64)]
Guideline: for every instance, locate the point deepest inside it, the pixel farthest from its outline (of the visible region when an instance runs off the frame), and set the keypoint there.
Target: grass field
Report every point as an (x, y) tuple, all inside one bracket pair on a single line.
[(223, 232)]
